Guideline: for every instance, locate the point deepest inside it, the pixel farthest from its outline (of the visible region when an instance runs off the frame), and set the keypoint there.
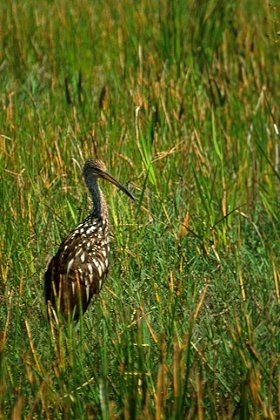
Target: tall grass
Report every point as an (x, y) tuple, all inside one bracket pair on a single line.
[(180, 99)]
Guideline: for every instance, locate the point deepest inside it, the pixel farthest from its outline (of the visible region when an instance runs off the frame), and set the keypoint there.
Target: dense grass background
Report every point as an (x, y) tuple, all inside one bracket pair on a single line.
[(181, 100)]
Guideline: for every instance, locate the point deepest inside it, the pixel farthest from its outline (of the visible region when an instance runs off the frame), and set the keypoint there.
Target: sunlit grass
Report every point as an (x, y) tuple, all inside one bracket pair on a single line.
[(181, 102)]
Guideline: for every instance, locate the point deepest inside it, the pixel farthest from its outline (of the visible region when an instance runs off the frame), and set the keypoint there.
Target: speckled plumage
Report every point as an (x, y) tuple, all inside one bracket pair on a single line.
[(78, 269)]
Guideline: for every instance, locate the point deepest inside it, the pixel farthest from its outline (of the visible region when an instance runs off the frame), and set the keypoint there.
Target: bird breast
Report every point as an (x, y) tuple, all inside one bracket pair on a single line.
[(86, 251)]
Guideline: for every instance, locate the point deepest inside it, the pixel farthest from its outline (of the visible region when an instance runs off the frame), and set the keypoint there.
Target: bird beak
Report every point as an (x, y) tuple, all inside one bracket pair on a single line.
[(110, 178)]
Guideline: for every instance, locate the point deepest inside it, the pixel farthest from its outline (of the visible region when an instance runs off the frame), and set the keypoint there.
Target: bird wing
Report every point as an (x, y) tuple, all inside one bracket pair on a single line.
[(78, 269)]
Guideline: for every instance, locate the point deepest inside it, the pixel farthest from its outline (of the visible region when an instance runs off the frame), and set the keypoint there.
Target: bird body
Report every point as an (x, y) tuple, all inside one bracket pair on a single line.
[(79, 268)]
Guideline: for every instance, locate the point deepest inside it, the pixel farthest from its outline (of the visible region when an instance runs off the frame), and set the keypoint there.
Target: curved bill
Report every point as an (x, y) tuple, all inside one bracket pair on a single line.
[(110, 178)]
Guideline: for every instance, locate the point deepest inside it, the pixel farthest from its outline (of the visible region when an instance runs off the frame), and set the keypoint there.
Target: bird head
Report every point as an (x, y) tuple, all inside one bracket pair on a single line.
[(94, 169)]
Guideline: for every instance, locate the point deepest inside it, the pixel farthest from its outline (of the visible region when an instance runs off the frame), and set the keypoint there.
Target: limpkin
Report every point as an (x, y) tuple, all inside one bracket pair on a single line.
[(78, 269)]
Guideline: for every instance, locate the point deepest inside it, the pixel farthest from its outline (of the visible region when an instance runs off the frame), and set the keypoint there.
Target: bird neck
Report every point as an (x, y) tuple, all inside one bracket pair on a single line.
[(99, 206)]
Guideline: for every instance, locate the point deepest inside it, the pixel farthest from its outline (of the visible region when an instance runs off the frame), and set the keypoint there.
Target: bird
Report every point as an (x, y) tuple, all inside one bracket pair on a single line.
[(80, 266)]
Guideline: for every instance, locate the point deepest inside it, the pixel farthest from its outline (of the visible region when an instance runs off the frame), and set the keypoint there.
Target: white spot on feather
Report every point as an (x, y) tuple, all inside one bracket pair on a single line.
[(73, 288), (83, 257), (90, 230), (97, 265), (87, 291), (99, 270), (102, 266), (80, 250), (69, 265)]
